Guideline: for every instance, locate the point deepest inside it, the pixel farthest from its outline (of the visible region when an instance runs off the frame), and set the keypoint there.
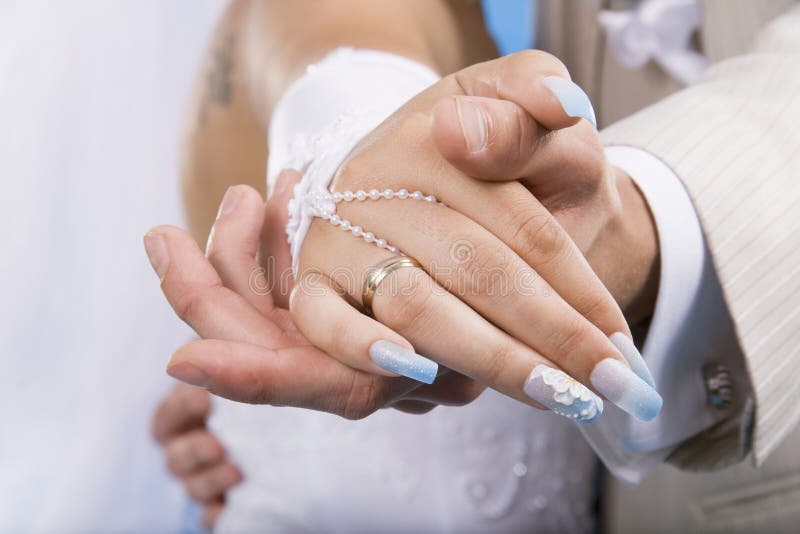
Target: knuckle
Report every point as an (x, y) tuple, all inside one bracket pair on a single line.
[(409, 308), (540, 234), (485, 272), (336, 336), (536, 60), (261, 391), (566, 341), (177, 459), (597, 307), (362, 397), (199, 488), (363, 169), (260, 388), (413, 129), (352, 173), (207, 450), (192, 306), (498, 360)]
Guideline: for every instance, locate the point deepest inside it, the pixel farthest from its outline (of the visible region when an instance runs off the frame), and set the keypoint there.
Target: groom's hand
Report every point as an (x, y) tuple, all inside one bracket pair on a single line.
[(251, 351), (193, 454), (597, 204)]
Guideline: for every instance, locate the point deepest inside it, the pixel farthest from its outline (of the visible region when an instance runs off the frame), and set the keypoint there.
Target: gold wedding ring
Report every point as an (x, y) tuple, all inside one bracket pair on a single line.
[(378, 273)]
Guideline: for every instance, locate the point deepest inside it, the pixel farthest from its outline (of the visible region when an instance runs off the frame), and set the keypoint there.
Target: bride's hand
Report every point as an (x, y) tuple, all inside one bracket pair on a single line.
[(503, 295)]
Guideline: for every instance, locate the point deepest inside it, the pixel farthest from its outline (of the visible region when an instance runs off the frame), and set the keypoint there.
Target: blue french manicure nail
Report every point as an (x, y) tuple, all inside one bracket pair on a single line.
[(563, 394), (625, 345), (403, 361), (619, 384), (572, 98)]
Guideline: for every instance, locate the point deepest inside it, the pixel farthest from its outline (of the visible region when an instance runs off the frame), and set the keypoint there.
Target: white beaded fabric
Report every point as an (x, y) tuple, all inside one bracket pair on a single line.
[(322, 204), (495, 465)]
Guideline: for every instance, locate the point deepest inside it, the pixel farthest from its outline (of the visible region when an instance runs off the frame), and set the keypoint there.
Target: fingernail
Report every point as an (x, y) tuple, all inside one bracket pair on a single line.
[(563, 394), (157, 253), (403, 361), (473, 123), (619, 384), (229, 201), (625, 345), (572, 98), (189, 373)]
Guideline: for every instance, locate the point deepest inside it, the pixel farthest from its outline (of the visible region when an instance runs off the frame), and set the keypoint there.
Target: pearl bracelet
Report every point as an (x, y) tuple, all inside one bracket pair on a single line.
[(322, 204)]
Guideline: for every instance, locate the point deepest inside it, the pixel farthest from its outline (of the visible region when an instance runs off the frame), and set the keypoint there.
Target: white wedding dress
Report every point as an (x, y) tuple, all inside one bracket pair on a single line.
[(495, 465)]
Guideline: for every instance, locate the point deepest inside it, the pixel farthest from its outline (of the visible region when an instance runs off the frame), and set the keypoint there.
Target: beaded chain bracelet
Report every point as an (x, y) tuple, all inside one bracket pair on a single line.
[(322, 204)]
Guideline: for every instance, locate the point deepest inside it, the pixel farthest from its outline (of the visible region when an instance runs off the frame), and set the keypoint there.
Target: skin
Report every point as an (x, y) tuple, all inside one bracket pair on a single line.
[(225, 143), (563, 317), (259, 48)]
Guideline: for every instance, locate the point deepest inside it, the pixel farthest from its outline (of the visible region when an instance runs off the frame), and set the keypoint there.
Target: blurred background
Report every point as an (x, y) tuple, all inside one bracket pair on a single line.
[(92, 98)]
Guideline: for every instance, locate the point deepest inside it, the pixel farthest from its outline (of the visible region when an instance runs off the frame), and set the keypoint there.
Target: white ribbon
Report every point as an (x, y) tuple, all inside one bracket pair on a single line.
[(658, 30)]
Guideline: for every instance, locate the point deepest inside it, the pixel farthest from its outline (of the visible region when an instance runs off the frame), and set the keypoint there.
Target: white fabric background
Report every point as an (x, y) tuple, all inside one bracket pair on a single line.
[(92, 95)]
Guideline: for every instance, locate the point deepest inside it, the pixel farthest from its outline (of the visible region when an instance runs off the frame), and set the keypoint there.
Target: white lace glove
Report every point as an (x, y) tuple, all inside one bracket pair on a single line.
[(324, 113)]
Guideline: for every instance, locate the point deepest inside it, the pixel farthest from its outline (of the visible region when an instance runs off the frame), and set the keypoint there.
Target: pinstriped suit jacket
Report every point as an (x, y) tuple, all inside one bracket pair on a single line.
[(734, 141)]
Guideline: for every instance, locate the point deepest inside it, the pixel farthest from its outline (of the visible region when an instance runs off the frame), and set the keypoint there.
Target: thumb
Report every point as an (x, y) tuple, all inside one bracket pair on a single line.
[(274, 253), (486, 138)]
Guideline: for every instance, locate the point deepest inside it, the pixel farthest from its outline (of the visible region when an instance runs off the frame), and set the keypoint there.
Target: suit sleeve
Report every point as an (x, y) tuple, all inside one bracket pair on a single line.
[(733, 139)]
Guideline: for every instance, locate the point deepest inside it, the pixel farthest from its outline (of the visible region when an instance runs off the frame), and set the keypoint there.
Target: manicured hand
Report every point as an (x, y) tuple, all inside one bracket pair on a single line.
[(503, 290)]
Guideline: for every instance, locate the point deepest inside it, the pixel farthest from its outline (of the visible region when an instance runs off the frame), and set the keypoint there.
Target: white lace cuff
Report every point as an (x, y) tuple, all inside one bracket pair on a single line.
[(326, 112)]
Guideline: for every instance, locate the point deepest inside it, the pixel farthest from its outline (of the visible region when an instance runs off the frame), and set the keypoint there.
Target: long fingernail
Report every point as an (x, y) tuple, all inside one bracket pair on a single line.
[(157, 252), (403, 361), (572, 98), (473, 123), (563, 394), (625, 345), (619, 384), (229, 201), (189, 373)]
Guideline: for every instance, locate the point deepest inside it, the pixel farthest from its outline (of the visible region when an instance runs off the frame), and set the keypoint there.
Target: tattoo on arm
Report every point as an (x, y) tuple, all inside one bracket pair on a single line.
[(219, 76), (218, 87)]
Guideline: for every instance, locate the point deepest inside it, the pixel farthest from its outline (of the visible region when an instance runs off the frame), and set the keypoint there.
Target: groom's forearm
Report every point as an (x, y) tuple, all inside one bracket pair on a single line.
[(259, 48)]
